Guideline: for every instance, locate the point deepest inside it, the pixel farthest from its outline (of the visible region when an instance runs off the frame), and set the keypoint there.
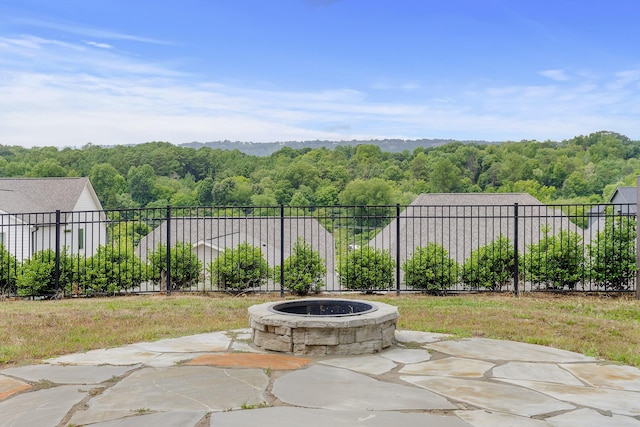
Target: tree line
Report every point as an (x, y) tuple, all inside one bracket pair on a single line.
[(583, 169)]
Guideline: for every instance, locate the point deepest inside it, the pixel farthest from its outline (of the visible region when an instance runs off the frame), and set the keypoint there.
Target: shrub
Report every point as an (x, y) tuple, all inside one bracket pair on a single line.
[(367, 269), (239, 269), (491, 266), (185, 266), (430, 269), (114, 267), (612, 255), (8, 271), (303, 270), (37, 275), (556, 261)]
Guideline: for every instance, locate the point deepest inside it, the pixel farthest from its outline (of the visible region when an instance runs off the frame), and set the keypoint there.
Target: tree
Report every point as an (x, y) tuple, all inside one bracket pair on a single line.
[(430, 269), (185, 266), (445, 176), (204, 191), (367, 269), (491, 266), (555, 261), (370, 192), (140, 181), (107, 183), (612, 255), (239, 269), (371, 198), (232, 191), (327, 195), (303, 270), (48, 168)]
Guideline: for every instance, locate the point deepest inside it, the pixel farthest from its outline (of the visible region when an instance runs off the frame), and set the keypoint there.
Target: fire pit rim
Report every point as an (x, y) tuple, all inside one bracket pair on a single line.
[(363, 307)]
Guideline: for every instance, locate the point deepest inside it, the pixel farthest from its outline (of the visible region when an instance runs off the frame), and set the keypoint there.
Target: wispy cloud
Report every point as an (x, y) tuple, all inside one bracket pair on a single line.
[(90, 32), (557, 75), (383, 85), (100, 45), (76, 94)]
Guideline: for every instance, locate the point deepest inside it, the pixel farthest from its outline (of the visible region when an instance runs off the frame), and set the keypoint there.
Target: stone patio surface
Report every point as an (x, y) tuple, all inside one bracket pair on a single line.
[(221, 380)]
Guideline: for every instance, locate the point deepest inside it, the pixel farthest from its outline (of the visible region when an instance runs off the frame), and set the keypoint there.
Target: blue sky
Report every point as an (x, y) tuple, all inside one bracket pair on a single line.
[(131, 71)]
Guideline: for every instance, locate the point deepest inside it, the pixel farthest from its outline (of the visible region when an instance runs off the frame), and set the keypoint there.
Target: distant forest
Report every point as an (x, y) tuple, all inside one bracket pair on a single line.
[(155, 174)]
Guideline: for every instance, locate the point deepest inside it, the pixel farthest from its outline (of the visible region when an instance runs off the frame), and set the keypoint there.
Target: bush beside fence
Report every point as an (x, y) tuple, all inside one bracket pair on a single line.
[(435, 249)]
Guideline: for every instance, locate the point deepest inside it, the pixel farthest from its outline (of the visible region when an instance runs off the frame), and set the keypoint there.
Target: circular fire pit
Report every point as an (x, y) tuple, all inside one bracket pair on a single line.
[(323, 326)]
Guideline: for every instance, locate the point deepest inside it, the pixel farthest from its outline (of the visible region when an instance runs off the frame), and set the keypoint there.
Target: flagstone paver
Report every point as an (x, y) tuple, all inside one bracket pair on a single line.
[(372, 365), (489, 349), (203, 380), (334, 388), (480, 418), (617, 401), (450, 367), (182, 388), (158, 419), (296, 417), (419, 337), (491, 396), (9, 386), (250, 360), (547, 372), (404, 356), (610, 376), (69, 374), (45, 407), (590, 418), (213, 342)]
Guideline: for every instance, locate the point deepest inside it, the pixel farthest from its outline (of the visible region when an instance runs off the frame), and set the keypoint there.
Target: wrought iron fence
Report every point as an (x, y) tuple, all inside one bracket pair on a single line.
[(413, 248)]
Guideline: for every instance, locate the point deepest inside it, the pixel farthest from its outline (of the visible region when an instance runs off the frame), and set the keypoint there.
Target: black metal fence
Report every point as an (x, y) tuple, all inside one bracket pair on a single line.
[(436, 249)]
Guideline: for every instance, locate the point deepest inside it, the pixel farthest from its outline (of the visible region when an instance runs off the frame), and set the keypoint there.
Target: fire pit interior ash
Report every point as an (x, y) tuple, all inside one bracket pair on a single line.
[(317, 307), (323, 326)]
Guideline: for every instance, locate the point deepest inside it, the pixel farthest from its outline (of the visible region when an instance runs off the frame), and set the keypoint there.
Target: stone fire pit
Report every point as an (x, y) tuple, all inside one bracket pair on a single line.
[(323, 326)]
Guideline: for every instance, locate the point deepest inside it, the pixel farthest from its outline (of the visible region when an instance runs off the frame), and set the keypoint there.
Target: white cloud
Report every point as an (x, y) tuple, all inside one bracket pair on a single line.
[(557, 75), (100, 45), (98, 33), (65, 94)]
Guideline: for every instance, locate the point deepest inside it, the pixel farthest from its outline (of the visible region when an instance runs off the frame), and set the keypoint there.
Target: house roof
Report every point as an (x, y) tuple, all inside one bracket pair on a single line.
[(475, 199), (619, 199), (625, 195), (27, 195), (462, 223), (228, 232)]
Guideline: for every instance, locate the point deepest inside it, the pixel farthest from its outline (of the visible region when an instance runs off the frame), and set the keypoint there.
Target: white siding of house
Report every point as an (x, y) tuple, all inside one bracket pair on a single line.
[(206, 254), (16, 236), (88, 217), (94, 232)]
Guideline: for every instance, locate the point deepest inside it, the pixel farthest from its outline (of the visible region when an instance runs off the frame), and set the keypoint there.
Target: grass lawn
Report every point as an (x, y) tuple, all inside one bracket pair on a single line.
[(604, 327)]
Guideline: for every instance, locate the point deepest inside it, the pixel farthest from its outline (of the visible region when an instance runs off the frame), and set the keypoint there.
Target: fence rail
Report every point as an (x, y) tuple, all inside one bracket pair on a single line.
[(411, 248)]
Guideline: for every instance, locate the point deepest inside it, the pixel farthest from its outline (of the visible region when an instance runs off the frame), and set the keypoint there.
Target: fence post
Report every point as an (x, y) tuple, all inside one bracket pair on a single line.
[(516, 272), (282, 250), (397, 248), (56, 278), (638, 237), (168, 258)]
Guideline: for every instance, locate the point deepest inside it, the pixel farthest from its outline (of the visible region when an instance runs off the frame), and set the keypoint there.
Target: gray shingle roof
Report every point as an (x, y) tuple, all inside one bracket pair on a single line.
[(625, 195), (464, 222), (228, 232), (27, 195)]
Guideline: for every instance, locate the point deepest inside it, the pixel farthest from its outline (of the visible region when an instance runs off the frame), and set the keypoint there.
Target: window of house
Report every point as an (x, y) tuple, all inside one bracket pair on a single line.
[(81, 238)]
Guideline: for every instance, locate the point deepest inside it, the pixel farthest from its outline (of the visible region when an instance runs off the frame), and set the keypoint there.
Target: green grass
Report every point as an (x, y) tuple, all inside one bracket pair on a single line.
[(602, 327)]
